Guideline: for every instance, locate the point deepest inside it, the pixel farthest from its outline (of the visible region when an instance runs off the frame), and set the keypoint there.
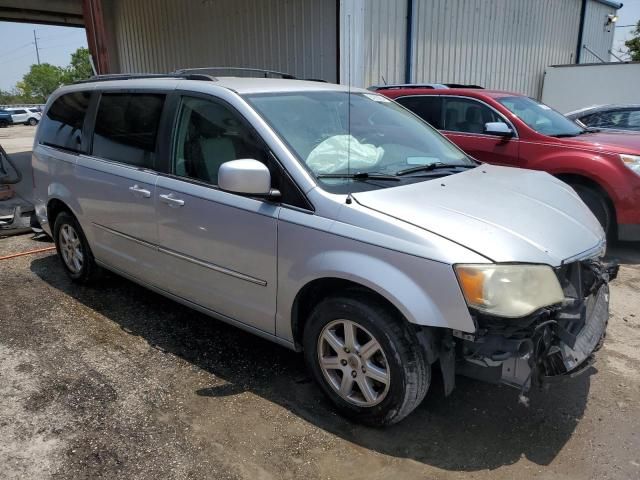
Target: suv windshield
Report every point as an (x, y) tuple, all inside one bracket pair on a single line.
[(540, 117), (347, 140)]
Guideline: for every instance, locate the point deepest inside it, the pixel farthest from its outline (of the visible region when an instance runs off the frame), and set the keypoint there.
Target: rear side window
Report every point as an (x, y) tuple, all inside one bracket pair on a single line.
[(62, 125), (127, 128), (429, 108)]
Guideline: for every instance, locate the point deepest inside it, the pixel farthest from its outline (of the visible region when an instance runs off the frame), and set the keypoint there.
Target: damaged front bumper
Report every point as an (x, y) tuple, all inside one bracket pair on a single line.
[(550, 344)]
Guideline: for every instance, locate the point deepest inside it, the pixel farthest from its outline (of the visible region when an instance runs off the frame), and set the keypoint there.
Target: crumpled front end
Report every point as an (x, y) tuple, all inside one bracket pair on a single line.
[(551, 343)]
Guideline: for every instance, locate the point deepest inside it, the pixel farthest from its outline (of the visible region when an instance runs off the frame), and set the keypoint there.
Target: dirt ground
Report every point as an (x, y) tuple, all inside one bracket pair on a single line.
[(114, 381)]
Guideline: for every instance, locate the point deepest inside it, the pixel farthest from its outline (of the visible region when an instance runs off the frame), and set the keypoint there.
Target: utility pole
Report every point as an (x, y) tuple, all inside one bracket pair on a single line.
[(35, 41)]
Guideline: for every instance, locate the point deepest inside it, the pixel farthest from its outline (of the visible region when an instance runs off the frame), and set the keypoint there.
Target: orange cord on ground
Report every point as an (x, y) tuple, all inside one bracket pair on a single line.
[(30, 252)]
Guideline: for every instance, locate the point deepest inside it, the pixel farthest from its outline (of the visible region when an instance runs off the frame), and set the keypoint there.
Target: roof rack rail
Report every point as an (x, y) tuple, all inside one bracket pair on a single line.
[(462, 85), (408, 85), (216, 71), (133, 76)]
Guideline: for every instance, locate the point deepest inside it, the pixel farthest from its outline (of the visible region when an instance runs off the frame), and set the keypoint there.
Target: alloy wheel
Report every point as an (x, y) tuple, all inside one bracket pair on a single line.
[(354, 363), (71, 248)]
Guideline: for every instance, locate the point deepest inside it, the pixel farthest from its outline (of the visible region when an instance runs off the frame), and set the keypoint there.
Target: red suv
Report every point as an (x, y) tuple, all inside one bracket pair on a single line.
[(516, 131)]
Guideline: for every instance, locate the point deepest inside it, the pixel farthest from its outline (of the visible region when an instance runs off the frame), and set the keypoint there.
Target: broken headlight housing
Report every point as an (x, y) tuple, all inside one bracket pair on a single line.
[(631, 161), (513, 290)]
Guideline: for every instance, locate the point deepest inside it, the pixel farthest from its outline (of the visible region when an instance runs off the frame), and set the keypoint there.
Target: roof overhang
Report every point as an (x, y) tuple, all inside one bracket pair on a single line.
[(48, 12)]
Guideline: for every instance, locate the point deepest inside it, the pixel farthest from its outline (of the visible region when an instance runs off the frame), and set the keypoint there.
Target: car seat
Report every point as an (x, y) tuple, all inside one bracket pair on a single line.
[(210, 144), (451, 119), (473, 120)]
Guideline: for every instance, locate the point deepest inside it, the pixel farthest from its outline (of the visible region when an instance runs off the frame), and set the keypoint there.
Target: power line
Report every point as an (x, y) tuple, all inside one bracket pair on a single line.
[(16, 49)]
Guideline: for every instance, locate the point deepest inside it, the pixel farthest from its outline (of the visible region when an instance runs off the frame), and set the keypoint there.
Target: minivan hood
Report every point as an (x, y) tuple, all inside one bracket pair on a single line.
[(505, 214), (617, 142)]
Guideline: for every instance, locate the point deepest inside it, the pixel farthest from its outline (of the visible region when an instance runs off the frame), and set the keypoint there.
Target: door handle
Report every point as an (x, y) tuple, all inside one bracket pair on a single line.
[(140, 192), (170, 200)]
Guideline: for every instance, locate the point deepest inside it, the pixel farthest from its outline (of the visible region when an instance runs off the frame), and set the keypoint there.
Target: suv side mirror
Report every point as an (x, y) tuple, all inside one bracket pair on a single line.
[(499, 129), (247, 177)]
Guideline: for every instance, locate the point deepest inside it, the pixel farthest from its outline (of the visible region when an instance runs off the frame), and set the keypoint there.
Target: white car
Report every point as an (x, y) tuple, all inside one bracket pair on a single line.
[(28, 116)]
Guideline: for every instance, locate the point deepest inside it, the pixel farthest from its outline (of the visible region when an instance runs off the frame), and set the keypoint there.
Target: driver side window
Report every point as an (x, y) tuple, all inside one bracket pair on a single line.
[(208, 135), (466, 115)]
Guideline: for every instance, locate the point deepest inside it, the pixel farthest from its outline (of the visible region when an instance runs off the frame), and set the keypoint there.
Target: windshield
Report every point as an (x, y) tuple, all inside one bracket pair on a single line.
[(540, 117), (338, 136)]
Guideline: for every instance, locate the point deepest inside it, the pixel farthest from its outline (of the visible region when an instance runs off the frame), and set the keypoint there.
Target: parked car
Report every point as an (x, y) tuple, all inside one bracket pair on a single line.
[(513, 130), (5, 118), (26, 116), (625, 118), (358, 234)]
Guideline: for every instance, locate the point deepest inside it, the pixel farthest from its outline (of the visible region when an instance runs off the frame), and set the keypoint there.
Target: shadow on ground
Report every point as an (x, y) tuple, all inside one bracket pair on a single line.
[(627, 253), (478, 427)]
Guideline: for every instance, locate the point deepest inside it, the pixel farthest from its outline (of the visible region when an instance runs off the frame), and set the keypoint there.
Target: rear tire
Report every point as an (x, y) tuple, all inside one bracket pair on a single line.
[(73, 249), (353, 373), (597, 204)]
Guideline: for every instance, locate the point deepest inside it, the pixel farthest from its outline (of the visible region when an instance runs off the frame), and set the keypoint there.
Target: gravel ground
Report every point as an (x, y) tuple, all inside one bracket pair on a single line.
[(114, 381)]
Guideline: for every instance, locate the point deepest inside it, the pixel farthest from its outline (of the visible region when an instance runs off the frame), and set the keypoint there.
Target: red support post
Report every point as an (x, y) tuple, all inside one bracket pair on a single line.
[(96, 34)]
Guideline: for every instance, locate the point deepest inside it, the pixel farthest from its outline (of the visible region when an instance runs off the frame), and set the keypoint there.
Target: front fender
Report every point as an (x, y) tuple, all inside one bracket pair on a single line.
[(426, 292)]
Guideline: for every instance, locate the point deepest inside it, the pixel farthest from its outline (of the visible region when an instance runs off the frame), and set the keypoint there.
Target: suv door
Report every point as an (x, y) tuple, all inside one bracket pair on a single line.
[(464, 124), (116, 182), (19, 115), (218, 249)]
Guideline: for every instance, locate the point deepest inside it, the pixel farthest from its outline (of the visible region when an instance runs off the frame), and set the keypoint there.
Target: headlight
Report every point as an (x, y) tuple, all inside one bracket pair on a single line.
[(509, 290), (631, 161)]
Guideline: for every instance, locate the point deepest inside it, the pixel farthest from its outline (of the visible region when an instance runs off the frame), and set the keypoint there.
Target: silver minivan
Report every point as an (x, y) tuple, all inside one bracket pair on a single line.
[(329, 220)]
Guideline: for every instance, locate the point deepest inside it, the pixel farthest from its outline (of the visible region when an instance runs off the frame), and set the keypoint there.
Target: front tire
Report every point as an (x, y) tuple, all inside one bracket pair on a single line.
[(73, 249), (366, 359), (597, 204), (32, 121)]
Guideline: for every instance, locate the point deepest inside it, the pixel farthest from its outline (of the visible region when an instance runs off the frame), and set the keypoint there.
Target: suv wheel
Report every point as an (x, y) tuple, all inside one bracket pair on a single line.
[(597, 204), (366, 359), (33, 122), (73, 249)]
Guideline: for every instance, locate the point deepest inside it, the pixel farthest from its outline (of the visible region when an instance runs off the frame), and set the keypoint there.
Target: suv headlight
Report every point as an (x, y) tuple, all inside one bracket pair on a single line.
[(509, 290), (631, 161)]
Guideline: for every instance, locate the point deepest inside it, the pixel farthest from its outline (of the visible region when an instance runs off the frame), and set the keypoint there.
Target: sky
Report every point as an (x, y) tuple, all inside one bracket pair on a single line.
[(629, 14), (18, 52)]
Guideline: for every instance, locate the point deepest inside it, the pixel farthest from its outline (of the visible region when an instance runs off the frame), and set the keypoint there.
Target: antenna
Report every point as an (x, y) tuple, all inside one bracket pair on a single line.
[(349, 96)]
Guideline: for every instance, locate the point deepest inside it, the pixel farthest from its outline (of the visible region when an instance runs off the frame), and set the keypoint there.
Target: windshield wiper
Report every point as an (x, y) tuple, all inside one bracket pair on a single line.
[(431, 166), (360, 176)]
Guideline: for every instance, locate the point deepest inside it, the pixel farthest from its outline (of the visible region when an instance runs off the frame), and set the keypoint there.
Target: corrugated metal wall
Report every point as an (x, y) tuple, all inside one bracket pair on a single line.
[(294, 36), (385, 39), (501, 44), (596, 36)]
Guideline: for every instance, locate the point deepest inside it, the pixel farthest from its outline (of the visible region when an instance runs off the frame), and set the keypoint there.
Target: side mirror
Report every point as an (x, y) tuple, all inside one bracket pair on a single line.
[(499, 129), (247, 177)]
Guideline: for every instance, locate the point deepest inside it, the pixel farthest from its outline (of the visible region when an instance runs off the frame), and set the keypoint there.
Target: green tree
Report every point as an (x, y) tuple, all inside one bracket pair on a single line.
[(634, 44), (40, 82), (79, 68)]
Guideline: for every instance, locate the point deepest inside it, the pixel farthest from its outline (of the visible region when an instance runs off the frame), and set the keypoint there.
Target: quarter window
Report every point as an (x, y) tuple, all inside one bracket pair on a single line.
[(469, 116), (62, 125), (127, 128), (210, 134)]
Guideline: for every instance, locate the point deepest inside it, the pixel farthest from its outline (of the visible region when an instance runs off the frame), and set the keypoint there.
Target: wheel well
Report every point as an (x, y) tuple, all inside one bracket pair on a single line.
[(315, 291), (54, 207), (571, 178)]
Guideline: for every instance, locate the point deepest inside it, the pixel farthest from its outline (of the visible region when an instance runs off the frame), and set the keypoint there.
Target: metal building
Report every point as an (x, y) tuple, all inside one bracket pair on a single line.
[(503, 44)]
